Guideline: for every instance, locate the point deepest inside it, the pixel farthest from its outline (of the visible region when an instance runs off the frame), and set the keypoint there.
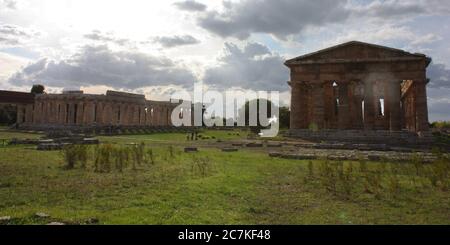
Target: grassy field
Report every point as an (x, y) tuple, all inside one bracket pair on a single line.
[(213, 187)]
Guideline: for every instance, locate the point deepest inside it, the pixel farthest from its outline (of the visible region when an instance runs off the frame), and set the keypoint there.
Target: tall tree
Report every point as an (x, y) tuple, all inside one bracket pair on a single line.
[(38, 89), (245, 111), (284, 117)]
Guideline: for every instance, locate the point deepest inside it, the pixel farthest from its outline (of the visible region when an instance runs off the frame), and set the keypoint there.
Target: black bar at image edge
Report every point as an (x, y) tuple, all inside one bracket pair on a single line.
[(227, 234)]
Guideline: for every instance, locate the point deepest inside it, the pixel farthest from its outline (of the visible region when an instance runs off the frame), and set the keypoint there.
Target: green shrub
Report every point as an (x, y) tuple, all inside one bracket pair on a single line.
[(201, 166), (150, 156), (75, 154), (103, 157)]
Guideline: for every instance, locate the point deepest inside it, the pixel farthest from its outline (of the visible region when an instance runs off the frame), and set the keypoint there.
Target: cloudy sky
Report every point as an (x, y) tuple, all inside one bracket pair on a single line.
[(158, 47)]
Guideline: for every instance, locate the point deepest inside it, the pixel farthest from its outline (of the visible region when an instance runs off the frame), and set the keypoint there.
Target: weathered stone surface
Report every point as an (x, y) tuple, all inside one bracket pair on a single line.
[(229, 149), (88, 112), (353, 155), (5, 219), (41, 215), (15, 141), (342, 88), (50, 146), (92, 221), (190, 149), (56, 223), (254, 145)]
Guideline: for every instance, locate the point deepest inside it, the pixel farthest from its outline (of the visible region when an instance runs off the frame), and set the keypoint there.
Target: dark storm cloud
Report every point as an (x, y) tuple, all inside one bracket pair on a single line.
[(439, 76), (98, 65), (174, 41), (279, 18), (252, 67), (388, 9), (190, 6), (287, 17)]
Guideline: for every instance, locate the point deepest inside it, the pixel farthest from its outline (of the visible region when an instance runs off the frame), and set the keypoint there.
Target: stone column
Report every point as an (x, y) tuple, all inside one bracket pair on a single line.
[(89, 111), (295, 106), (421, 105), (163, 116), (123, 113), (80, 113), (318, 104), (49, 112), (129, 115), (59, 109), (136, 114), (109, 114), (116, 112), (29, 114), (64, 111), (147, 115), (20, 114), (38, 112), (168, 114), (356, 106), (328, 97), (54, 111), (369, 107), (343, 109), (155, 115), (143, 116), (71, 112), (44, 116), (160, 115), (393, 105)]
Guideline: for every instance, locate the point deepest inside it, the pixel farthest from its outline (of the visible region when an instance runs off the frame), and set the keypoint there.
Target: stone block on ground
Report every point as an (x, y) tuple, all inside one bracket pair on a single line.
[(190, 149), (5, 220), (55, 223), (229, 149), (41, 215)]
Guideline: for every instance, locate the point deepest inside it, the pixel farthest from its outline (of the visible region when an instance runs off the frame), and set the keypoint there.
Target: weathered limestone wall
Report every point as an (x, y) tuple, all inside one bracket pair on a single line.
[(359, 86), (78, 109)]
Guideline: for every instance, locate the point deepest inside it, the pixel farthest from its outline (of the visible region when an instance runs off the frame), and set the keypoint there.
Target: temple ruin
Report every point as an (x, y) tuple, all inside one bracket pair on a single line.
[(358, 89), (74, 109)]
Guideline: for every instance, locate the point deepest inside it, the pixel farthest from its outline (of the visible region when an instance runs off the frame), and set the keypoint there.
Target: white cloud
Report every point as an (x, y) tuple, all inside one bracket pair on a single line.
[(190, 5), (99, 65), (13, 35), (252, 67), (8, 4), (97, 35), (175, 41)]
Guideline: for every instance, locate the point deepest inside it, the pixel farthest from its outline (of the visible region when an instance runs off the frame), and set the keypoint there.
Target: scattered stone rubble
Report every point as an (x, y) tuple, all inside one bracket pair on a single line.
[(352, 155), (57, 140), (190, 149), (229, 149)]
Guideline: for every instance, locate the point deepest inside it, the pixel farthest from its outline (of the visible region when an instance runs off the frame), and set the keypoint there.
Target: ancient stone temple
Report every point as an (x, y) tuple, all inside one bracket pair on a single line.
[(359, 86), (74, 108)]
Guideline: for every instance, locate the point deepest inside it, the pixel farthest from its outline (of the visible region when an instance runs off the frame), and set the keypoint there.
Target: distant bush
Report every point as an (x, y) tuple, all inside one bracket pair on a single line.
[(441, 125), (380, 179), (105, 158), (75, 154)]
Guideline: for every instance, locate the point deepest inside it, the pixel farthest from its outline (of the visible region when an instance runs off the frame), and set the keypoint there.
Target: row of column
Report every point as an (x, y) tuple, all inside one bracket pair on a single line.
[(354, 105), (94, 112)]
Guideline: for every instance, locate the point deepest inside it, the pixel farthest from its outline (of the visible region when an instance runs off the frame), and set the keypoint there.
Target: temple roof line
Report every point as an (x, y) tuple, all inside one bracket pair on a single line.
[(402, 55)]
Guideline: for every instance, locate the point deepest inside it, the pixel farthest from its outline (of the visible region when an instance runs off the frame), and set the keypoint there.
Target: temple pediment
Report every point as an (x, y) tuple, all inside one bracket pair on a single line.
[(356, 51)]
